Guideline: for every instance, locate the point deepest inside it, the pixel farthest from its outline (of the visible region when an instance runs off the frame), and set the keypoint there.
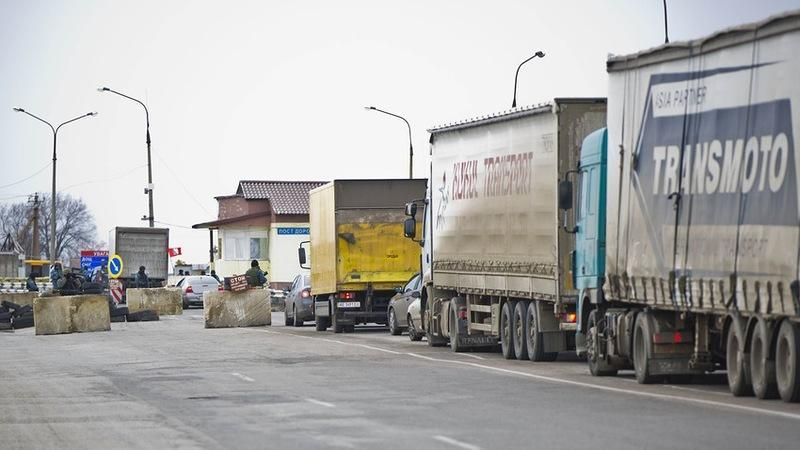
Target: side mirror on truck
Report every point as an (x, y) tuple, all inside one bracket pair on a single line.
[(411, 209), (565, 195), (410, 227), (301, 255)]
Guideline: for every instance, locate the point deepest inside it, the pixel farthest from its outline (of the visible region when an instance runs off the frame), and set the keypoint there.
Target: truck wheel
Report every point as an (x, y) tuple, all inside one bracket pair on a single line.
[(519, 324), (321, 323), (394, 328), (533, 336), (454, 344), (641, 349), (597, 367), (738, 361), (762, 370), (507, 331), (337, 327), (433, 341), (413, 334), (297, 322), (787, 361)]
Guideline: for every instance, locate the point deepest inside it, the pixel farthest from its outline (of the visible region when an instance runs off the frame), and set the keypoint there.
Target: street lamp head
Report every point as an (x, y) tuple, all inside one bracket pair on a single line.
[(369, 108), (19, 110), (540, 54), (93, 113), (103, 89)]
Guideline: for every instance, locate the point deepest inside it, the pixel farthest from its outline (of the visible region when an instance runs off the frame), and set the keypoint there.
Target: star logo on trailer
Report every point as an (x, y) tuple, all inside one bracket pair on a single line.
[(115, 266)]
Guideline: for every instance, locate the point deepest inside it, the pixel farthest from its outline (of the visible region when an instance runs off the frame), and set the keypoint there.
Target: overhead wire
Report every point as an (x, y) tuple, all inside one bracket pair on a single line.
[(26, 178)]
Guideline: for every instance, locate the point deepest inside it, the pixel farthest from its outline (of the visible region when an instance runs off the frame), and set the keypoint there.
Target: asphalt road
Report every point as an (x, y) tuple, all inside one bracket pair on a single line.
[(174, 384)]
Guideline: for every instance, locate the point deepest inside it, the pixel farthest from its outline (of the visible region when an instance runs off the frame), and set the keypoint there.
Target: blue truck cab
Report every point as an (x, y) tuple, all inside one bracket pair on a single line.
[(589, 211)]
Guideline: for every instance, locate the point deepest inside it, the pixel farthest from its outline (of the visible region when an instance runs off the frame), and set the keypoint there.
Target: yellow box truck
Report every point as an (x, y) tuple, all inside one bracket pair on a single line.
[(358, 254)]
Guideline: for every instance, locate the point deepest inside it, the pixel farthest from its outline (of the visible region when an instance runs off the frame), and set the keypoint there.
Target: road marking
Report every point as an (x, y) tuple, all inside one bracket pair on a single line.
[(320, 403), (456, 443), (710, 403), (471, 356), (242, 377)]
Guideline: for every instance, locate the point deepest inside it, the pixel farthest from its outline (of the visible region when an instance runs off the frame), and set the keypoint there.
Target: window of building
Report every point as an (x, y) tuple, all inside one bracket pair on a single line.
[(241, 245)]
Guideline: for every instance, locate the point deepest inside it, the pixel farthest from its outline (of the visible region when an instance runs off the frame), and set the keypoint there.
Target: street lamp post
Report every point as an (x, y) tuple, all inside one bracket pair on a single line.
[(539, 54), (53, 255), (410, 143), (149, 189)]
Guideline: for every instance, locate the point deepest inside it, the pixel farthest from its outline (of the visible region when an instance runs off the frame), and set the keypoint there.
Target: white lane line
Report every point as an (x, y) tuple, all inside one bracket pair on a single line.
[(362, 345), (242, 377), (711, 403), (456, 443), (684, 388), (598, 387), (320, 403), (471, 356)]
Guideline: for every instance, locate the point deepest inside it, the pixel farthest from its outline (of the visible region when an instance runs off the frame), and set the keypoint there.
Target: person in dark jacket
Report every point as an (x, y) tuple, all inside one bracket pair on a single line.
[(141, 279), (255, 276), (31, 284), (214, 274)]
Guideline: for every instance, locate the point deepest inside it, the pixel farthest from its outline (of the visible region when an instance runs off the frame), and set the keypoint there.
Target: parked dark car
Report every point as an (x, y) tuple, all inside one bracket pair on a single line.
[(193, 287), (398, 305), (299, 304)]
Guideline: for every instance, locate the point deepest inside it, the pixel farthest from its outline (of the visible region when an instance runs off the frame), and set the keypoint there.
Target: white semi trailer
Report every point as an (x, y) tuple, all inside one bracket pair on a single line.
[(688, 229), (496, 258)]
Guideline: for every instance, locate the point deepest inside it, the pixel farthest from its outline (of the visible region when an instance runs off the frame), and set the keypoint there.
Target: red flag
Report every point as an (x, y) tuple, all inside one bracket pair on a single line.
[(174, 251)]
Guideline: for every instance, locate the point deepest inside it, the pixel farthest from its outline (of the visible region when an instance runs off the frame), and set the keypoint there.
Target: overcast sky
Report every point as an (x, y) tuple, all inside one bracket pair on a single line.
[(276, 90)]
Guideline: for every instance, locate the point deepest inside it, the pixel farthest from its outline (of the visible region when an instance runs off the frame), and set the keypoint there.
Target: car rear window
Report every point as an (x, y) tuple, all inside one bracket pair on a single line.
[(202, 280)]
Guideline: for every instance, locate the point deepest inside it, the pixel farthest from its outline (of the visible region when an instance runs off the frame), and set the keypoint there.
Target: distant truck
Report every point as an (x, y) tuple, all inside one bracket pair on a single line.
[(687, 214), (358, 255), (496, 257), (140, 246)]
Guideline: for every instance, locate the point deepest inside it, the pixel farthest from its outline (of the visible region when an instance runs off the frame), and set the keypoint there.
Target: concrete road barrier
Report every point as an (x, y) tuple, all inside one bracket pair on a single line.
[(165, 301), (250, 308), (71, 314), (20, 298)]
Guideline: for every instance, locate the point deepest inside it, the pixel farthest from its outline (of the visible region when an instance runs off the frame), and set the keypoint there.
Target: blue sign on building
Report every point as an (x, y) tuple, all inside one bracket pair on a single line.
[(292, 230)]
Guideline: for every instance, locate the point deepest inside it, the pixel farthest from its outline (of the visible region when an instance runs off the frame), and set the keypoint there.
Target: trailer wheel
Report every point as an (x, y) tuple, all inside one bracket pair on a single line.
[(394, 327), (533, 336), (762, 370), (787, 361), (507, 331), (642, 349), (738, 361), (597, 366), (520, 325)]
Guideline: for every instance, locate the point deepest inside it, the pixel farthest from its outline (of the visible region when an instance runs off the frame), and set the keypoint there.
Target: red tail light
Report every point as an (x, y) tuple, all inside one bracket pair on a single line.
[(347, 295), (570, 317), (305, 294), (189, 290), (220, 288), (462, 314)]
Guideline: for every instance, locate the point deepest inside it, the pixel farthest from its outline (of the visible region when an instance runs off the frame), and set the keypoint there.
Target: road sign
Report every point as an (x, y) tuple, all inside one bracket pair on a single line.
[(115, 266)]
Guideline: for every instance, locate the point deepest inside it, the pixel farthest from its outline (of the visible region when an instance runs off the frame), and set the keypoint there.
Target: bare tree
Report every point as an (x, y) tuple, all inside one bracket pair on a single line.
[(16, 219), (75, 226)]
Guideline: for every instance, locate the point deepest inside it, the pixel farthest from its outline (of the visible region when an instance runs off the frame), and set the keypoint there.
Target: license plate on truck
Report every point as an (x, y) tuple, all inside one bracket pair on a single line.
[(349, 304)]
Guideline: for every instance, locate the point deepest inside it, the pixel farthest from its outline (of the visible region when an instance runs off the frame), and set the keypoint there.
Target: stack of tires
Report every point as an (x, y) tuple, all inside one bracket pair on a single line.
[(120, 313), (14, 316)]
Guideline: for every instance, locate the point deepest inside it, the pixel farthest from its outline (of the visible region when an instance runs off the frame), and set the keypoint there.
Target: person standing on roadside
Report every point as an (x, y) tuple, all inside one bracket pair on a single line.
[(214, 274), (255, 276), (142, 280)]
